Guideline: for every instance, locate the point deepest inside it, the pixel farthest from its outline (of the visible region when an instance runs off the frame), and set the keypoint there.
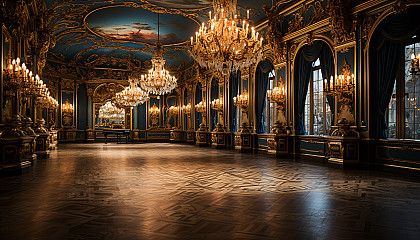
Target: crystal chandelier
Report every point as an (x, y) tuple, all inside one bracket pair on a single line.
[(110, 111), (158, 81), (132, 95), (226, 43)]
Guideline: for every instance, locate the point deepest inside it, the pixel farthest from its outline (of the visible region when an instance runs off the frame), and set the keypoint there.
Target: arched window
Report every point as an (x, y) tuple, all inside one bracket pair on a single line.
[(406, 88), (264, 69), (214, 94), (198, 99), (269, 110), (234, 90), (317, 115), (315, 110), (394, 88)]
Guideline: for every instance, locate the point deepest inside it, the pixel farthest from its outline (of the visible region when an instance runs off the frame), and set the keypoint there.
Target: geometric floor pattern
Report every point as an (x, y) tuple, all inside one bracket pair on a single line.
[(174, 191)]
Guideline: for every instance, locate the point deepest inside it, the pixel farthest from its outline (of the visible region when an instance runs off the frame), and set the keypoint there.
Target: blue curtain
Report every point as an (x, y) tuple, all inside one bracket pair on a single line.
[(198, 99), (303, 70), (386, 51), (327, 68), (214, 95), (235, 80), (261, 80)]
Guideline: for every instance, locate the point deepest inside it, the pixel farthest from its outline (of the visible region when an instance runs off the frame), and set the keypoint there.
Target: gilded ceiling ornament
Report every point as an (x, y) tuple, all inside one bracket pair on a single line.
[(274, 33), (343, 27), (400, 6), (310, 39)]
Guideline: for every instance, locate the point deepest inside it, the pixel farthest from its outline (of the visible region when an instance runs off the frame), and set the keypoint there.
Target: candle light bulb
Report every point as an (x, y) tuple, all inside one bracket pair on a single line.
[(413, 56)]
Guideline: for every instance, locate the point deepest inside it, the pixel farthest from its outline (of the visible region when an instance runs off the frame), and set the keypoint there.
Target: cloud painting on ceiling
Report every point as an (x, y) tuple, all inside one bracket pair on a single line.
[(190, 4), (140, 25)]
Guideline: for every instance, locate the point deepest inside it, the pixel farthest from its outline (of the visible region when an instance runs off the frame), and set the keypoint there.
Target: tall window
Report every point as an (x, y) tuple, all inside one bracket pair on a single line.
[(403, 119), (269, 110), (317, 115)]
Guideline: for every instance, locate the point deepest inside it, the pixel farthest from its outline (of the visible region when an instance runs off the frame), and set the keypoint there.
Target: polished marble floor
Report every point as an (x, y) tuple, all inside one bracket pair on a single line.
[(169, 191)]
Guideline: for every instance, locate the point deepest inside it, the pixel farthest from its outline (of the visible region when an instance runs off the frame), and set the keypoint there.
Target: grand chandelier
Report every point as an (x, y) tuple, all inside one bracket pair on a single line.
[(158, 81), (132, 95), (226, 42)]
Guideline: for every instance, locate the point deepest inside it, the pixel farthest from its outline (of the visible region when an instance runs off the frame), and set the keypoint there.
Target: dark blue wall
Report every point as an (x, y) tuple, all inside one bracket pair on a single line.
[(82, 104)]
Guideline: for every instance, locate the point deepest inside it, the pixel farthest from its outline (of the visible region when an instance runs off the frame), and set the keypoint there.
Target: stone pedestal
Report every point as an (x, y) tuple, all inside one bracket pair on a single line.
[(280, 145), (190, 134), (175, 135), (90, 135), (203, 137), (15, 149), (42, 141), (29, 132), (53, 139), (219, 137), (245, 140), (343, 146)]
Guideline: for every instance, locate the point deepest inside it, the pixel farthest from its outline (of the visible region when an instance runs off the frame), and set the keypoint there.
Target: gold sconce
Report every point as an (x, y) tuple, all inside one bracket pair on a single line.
[(67, 110), (154, 114), (342, 87), (278, 96), (187, 109), (217, 104), (241, 101), (173, 112)]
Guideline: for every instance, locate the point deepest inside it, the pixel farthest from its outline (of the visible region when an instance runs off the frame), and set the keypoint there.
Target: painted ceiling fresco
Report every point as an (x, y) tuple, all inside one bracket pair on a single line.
[(89, 31), (140, 25), (181, 4)]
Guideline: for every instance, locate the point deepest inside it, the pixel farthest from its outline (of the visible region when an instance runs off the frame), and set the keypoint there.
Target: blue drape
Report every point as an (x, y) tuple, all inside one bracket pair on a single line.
[(327, 68), (198, 99), (386, 50), (235, 80), (303, 70), (214, 95), (261, 80)]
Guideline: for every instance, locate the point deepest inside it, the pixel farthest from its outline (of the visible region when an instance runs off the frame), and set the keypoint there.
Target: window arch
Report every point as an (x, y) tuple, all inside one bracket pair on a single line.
[(315, 110), (264, 68), (393, 89)]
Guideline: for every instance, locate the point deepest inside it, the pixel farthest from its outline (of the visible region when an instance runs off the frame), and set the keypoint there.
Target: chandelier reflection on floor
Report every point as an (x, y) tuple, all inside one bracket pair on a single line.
[(132, 95), (226, 42), (158, 81)]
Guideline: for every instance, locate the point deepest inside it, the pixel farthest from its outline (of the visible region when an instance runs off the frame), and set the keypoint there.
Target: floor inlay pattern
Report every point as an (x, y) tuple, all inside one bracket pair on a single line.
[(169, 191)]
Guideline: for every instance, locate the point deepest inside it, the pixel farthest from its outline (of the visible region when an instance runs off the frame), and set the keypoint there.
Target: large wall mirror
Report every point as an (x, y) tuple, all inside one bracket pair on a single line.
[(107, 114)]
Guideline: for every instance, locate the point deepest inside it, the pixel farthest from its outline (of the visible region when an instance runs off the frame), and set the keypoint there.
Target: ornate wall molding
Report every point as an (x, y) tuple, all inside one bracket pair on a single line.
[(106, 91)]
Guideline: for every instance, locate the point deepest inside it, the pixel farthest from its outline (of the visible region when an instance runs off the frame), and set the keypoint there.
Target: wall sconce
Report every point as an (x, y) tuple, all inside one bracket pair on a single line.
[(154, 114), (217, 104), (342, 86), (241, 101), (278, 96)]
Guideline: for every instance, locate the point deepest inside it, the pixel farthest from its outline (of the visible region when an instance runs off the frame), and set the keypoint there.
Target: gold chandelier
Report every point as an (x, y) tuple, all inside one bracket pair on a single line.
[(21, 78), (226, 43), (132, 95), (158, 81)]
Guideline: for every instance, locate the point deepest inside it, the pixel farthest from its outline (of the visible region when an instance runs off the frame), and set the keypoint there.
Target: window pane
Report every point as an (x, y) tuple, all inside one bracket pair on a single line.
[(392, 114), (412, 112), (307, 113), (318, 103)]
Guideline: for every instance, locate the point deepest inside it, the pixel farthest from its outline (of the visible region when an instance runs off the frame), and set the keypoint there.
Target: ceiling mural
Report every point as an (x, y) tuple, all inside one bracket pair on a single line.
[(182, 4), (140, 25), (97, 33)]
